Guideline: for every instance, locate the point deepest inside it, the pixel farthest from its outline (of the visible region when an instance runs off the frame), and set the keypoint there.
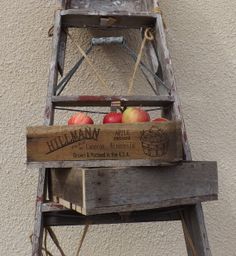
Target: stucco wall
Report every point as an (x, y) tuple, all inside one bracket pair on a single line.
[(202, 41)]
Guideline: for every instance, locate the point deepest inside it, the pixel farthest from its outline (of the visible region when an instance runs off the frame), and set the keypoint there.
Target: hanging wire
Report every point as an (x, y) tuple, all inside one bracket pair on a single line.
[(62, 84), (134, 56), (101, 112), (80, 110)]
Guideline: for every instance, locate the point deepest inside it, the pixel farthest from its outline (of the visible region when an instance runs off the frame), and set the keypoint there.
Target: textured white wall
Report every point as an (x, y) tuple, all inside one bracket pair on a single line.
[(202, 40)]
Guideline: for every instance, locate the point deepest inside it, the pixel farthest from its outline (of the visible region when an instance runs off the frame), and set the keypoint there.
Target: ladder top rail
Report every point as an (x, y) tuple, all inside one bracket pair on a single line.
[(129, 6)]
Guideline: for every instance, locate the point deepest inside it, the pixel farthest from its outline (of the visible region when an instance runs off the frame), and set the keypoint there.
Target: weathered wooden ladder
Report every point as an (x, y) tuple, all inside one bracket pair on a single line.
[(200, 178)]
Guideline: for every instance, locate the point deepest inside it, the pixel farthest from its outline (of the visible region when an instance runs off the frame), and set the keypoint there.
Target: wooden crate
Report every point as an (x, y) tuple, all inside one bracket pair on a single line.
[(106, 190), (149, 141), (129, 6)]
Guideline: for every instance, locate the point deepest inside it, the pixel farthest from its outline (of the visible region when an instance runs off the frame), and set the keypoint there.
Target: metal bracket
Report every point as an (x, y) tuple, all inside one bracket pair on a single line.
[(107, 40), (107, 21), (97, 41), (116, 105)]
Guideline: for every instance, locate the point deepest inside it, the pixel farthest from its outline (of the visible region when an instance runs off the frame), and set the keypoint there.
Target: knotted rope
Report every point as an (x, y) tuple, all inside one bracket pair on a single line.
[(148, 36)]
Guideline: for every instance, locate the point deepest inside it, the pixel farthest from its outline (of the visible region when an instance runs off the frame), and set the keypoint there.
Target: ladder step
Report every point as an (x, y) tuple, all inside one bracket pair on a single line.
[(82, 18), (105, 101), (69, 217), (99, 163), (52, 206)]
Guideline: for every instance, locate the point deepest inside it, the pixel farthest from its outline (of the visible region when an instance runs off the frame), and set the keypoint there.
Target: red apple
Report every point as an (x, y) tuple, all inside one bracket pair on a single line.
[(79, 119), (112, 117), (135, 115), (160, 120)]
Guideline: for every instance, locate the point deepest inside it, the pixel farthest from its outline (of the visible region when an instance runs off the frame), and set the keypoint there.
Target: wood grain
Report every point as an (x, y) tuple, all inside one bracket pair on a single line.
[(155, 141), (130, 189), (105, 100), (129, 6), (95, 19)]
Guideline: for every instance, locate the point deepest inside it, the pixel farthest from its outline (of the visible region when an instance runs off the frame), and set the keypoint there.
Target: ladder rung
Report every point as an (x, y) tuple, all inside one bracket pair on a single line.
[(78, 18), (71, 217), (105, 101), (99, 163), (51, 206)]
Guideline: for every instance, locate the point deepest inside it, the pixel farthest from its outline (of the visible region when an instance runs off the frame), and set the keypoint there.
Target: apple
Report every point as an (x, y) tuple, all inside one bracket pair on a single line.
[(135, 115), (160, 120), (79, 119), (112, 117)]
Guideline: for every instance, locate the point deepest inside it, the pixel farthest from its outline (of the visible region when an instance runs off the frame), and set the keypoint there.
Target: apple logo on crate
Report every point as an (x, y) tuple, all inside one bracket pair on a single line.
[(155, 142)]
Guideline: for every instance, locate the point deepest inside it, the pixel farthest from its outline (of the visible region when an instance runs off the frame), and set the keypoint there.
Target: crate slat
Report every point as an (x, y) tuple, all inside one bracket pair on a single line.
[(105, 190), (95, 19), (147, 141)]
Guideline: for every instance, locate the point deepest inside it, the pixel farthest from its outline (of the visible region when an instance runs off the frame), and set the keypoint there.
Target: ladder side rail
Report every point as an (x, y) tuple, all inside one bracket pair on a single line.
[(193, 216), (48, 120), (193, 219), (53, 71), (62, 51), (153, 64), (169, 79)]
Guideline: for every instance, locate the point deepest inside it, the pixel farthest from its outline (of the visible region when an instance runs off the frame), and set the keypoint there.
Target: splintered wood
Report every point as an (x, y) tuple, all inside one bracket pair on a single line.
[(157, 141)]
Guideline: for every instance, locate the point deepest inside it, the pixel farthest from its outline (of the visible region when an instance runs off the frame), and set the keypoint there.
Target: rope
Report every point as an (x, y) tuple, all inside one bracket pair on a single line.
[(148, 36), (45, 243), (102, 82), (55, 240), (157, 10), (47, 253), (82, 238), (83, 53)]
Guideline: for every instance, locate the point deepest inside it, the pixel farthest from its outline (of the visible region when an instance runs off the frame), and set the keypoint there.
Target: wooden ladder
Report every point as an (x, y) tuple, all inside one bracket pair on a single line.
[(189, 212)]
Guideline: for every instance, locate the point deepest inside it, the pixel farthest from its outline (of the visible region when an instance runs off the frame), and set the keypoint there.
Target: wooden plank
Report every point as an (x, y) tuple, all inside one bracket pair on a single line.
[(193, 223), (155, 141), (105, 100), (73, 218), (130, 189), (95, 19), (61, 180), (98, 163), (48, 119), (128, 6)]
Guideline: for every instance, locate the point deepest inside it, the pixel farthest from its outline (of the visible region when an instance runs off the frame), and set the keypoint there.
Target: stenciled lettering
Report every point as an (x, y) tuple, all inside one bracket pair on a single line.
[(73, 137)]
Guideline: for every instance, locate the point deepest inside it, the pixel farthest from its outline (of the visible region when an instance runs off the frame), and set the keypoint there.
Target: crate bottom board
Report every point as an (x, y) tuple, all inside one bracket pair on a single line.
[(106, 190)]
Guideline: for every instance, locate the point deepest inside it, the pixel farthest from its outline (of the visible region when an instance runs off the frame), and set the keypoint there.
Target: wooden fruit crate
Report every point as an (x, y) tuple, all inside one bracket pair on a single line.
[(66, 144), (105, 190)]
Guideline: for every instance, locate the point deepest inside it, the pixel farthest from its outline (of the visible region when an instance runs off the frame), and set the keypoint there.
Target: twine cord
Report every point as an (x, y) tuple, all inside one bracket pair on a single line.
[(148, 36), (101, 80), (157, 10), (55, 240)]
